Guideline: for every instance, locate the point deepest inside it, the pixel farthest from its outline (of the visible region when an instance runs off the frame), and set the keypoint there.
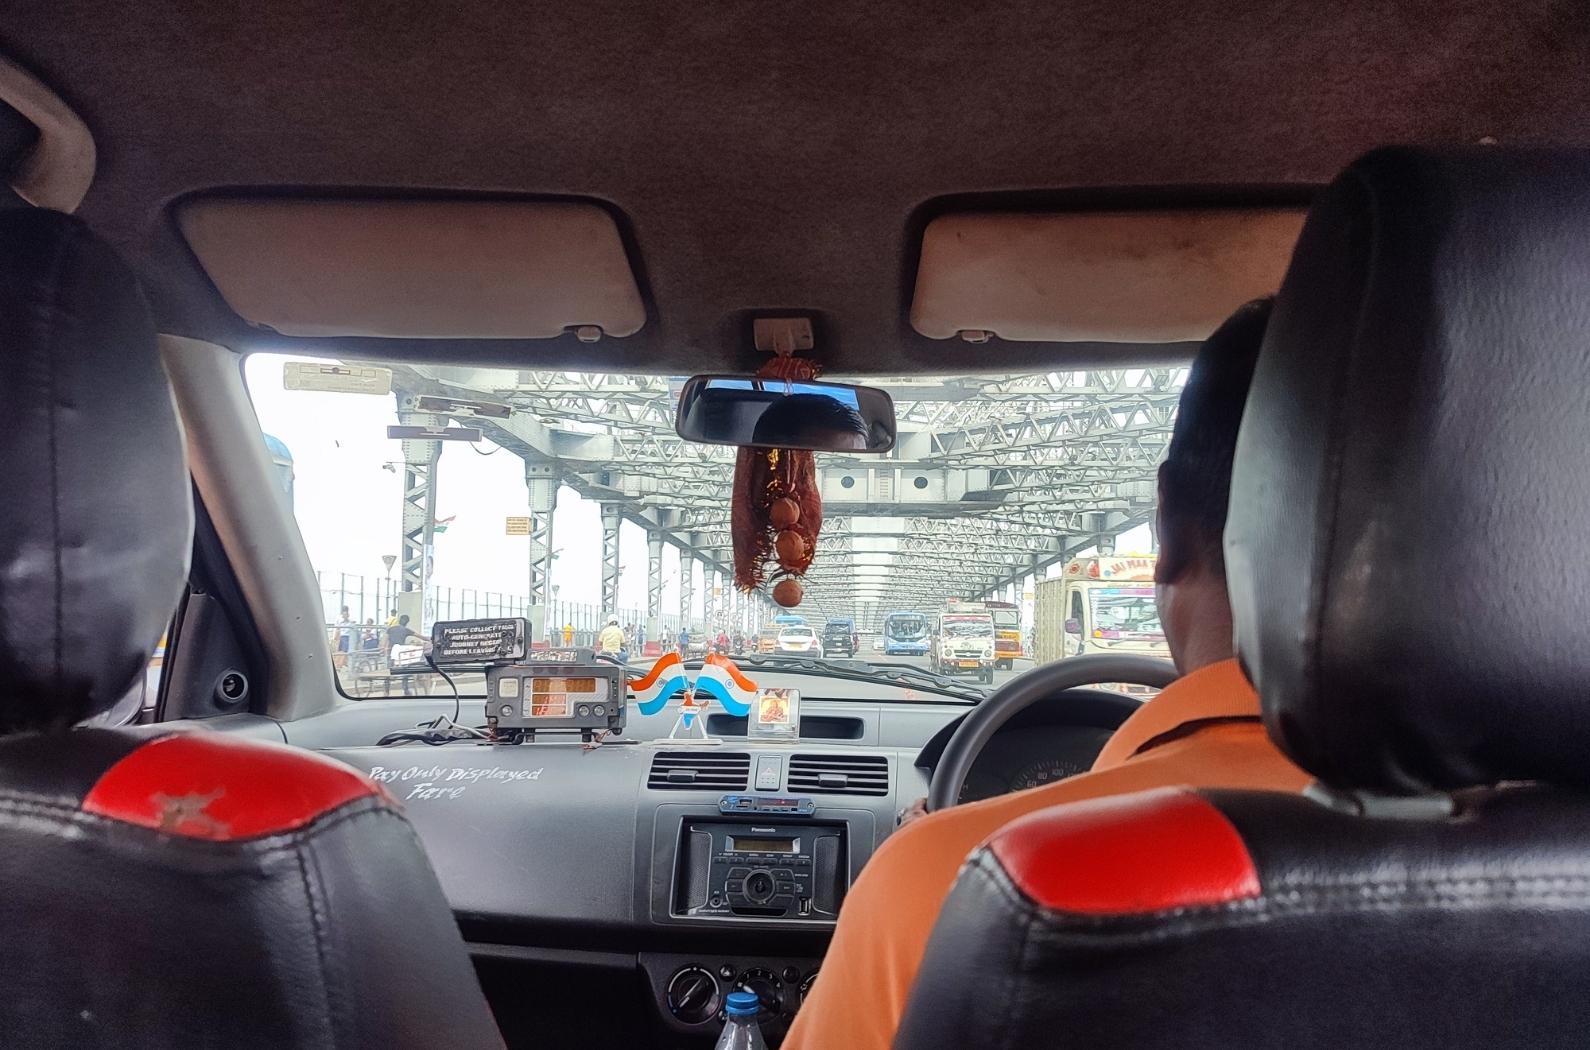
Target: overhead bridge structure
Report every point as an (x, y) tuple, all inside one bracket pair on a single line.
[(992, 480)]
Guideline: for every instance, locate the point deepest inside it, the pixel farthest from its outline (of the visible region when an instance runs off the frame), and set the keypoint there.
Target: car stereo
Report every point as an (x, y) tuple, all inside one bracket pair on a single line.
[(750, 870)]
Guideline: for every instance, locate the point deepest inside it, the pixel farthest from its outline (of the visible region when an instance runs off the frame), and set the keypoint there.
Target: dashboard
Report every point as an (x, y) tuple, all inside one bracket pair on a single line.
[(680, 872)]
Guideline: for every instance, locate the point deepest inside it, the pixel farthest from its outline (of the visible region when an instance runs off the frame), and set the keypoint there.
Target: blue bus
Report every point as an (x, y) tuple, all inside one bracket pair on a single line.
[(905, 634)]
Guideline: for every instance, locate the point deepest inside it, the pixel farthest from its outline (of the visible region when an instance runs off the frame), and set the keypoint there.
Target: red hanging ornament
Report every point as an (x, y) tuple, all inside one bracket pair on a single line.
[(776, 512)]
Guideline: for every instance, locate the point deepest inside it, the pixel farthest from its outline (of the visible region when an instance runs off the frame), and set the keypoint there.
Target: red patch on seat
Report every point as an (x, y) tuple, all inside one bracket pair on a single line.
[(209, 786), (1127, 854)]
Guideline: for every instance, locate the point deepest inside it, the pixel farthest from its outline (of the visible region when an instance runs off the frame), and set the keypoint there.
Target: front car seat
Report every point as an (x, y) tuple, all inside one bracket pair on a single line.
[(170, 888), (1408, 551)]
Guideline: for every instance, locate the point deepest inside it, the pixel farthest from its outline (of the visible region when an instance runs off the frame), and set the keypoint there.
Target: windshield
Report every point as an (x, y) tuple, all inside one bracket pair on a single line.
[(429, 493), (1125, 613), (906, 628)]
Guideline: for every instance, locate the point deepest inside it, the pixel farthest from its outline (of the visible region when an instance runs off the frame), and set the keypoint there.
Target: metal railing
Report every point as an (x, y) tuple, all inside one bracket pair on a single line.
[(372, 601)]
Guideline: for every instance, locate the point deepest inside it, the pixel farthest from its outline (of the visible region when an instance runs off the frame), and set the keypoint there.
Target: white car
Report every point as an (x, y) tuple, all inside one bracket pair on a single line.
[(877, 645), (800, 640)]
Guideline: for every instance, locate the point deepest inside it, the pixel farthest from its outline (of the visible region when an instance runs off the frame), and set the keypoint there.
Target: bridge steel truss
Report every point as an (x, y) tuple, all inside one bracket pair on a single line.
[(992, 480)]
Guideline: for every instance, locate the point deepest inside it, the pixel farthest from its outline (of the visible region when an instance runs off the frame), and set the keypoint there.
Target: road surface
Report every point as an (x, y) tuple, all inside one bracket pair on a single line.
[(1000, 677)]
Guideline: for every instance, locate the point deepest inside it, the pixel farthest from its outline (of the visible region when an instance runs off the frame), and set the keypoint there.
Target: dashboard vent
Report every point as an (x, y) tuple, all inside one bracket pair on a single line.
[(693, 771), (839, 774)]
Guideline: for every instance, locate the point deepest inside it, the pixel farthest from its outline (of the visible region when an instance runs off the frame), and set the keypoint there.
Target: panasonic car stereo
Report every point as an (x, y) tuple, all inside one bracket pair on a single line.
[(747, 870)]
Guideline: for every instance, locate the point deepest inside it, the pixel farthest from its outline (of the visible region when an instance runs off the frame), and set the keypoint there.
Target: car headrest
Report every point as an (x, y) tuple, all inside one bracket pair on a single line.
[(1408, 545), (96, 514)]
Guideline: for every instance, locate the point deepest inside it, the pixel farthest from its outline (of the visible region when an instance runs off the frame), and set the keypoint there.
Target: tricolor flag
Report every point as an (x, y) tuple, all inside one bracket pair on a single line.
[(722, 681), (662, 683)]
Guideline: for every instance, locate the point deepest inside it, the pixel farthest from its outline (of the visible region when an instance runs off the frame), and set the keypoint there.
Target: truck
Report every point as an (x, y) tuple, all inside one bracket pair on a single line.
[(1101, 604), (963, 641), (1007, 628)]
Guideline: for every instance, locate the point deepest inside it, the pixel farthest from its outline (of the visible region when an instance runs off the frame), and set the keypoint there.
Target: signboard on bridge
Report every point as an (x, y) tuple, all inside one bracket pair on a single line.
[(453, 406), (518, 526), (433, 433), (331, 378)]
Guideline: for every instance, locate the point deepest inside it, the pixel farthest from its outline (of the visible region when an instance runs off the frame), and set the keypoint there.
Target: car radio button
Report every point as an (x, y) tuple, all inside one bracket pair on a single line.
[(760, 886)]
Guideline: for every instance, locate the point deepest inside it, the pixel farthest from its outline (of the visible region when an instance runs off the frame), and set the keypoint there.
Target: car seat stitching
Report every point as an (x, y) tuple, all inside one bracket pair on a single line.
[(317, 924), (51, 326), (1335, 453)]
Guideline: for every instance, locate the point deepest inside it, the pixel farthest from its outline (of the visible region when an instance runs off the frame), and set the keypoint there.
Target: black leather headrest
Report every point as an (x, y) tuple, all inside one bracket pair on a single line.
[(96, 515), (1408, 546)]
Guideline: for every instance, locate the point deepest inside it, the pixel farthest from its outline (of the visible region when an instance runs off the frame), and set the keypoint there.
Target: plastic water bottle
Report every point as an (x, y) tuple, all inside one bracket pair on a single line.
[(740, 1031)]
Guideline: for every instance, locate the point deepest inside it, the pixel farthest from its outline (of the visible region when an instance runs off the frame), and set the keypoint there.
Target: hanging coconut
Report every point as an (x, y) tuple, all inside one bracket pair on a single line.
[(788, 592), (776, 511)]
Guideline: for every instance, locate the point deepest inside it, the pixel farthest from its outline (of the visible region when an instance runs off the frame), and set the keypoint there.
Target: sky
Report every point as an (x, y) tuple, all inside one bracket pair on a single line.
[(349, 504)]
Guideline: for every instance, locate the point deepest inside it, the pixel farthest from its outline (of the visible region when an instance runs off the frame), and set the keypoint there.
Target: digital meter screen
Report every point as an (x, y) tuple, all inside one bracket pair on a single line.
[(743, 845), (555, 697)]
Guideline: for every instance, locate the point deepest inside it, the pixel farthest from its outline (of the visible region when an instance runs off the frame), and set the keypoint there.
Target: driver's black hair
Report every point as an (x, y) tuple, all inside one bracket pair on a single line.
[(1195, 479), (803, 413)]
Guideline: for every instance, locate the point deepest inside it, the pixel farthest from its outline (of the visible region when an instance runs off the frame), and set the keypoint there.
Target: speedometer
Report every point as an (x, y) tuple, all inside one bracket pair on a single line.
[(1045, 772)]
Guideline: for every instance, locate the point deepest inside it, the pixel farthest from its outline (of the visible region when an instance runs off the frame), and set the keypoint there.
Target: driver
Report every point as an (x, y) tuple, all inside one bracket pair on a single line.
[(1202, 731)]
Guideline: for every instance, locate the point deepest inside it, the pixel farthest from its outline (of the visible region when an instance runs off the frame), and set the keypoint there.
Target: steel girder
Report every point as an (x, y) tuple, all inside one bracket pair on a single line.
[(1051, 463)]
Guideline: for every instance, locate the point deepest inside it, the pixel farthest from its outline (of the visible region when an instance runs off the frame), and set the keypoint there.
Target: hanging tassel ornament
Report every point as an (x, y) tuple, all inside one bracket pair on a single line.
[(777, 512)]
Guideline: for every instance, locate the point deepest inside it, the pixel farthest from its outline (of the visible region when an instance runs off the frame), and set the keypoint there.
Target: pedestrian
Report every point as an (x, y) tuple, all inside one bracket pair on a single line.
[(611, 642), (345, 627), (568, 634), (400, 634), (370, 638)]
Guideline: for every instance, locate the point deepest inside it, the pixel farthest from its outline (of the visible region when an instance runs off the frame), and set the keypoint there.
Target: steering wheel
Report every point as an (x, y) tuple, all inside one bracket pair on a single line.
[(1021, 692)]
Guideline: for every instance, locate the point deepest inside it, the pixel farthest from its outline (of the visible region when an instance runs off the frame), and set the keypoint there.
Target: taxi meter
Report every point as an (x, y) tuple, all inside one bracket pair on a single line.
[(554, 689), (533, 690)]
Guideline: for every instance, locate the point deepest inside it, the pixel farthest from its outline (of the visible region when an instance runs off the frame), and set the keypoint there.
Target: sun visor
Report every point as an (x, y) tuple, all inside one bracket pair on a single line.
[(417, 269), (1126, 277)]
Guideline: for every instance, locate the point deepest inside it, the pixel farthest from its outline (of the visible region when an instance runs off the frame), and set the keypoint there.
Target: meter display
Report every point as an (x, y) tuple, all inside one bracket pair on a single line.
[(561, 697)]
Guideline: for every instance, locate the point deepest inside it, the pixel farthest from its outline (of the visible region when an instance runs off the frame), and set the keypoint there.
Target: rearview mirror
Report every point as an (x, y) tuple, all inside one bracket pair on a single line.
[(773, 413)]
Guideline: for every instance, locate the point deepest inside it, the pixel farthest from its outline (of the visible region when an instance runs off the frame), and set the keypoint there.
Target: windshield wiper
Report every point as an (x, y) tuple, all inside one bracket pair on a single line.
[(861, 671)]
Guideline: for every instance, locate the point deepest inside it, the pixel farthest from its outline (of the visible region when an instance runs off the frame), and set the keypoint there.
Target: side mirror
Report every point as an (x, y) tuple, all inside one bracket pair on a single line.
[(1073, 627), (773, 413)]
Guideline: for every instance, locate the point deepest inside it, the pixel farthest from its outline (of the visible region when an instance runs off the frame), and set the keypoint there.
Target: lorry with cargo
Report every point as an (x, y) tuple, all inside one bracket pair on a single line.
[(1101, 604)]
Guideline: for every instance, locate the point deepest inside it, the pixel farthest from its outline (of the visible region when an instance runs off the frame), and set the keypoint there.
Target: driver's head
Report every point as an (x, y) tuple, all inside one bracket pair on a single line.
[(810, 421), (1194, 487)]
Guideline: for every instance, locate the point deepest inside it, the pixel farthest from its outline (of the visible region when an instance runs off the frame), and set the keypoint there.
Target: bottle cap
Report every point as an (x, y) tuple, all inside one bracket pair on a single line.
[(741, 1004)]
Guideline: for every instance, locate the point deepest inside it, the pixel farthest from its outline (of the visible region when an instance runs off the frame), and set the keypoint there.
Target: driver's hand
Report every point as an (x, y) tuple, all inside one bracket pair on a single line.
[(915, 811)]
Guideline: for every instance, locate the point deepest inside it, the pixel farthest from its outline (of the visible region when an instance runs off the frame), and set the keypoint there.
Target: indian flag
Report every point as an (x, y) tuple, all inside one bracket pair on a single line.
[(662, 683), (440, 524), (722, 681)]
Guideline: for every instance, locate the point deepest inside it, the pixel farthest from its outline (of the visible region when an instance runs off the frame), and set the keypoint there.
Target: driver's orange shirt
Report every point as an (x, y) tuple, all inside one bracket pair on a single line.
[(1202, 731)]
